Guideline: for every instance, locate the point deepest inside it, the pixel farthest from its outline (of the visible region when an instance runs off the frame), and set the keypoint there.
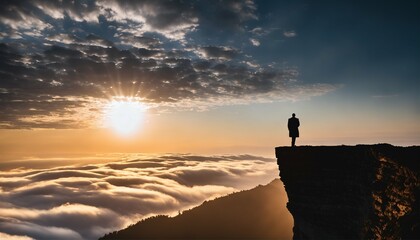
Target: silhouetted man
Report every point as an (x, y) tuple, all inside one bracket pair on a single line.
[(293, 125)]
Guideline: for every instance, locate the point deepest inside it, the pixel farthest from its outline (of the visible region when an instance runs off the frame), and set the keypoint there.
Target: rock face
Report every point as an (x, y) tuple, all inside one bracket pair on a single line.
[(352, 192)]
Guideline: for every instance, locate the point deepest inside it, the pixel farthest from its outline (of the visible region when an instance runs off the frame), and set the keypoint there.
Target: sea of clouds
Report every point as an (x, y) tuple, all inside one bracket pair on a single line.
[(87, 201)]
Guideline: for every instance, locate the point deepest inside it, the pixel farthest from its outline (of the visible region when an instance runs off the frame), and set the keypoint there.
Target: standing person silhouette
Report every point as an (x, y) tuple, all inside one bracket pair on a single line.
[(293, 125)]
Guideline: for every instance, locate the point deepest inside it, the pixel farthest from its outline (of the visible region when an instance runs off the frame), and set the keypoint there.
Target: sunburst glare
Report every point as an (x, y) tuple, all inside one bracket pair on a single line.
[(124, 115)]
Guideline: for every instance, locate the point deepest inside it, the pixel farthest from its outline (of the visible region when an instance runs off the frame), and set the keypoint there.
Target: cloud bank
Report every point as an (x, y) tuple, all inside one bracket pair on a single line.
[(85, 202), (62, 58)]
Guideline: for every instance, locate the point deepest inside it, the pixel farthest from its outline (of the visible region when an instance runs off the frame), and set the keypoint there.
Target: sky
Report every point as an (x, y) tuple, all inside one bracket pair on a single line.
[(206, 76), (111, 111)]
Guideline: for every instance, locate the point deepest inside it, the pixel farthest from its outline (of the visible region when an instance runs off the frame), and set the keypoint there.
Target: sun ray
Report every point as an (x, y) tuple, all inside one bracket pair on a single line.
[(124, 115)]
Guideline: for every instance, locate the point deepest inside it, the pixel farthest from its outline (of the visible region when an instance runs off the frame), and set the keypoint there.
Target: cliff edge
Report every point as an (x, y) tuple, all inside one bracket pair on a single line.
[(352, 192)]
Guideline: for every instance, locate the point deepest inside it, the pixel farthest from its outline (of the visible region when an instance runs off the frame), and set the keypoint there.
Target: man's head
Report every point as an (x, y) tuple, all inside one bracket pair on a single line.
[(293, 115)]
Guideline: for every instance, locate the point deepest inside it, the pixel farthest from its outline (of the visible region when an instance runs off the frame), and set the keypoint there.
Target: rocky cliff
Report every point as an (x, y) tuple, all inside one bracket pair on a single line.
[(352, 192)]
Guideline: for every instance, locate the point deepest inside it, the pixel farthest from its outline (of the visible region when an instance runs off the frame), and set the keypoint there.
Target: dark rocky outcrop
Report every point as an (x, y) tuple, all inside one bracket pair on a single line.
[(352, 192)]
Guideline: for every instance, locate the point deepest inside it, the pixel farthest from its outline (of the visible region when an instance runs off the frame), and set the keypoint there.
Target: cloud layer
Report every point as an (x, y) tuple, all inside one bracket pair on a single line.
[(62, 58), (85, 202)]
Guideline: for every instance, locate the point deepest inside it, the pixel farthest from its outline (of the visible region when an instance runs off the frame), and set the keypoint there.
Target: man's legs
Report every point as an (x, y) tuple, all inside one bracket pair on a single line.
[(293, 141)]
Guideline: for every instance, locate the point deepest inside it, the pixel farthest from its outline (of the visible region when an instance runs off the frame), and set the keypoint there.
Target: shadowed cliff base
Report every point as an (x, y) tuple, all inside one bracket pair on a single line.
[(352, 192), (258, 213)]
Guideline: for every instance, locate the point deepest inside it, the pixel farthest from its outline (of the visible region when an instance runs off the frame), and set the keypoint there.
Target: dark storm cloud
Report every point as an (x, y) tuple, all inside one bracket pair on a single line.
[(58, 59), (88, 201)]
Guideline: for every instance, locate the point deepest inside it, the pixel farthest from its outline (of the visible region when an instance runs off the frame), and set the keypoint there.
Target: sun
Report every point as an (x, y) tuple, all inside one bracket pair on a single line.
[(124, 115)]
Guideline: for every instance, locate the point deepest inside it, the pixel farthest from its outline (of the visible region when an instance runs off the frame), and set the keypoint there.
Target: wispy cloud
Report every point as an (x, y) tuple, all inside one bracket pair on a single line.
[(289, 34), (385, 96), (88, 201)]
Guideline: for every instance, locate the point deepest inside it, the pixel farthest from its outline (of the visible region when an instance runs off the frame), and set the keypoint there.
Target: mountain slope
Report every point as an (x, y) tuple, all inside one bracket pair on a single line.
[(258, 213)]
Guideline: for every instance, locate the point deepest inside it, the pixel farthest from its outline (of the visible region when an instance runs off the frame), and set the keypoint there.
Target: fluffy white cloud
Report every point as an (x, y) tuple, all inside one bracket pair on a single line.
[(254, 42), (88, 201), (173, 19), (76, 10), (14, 237)]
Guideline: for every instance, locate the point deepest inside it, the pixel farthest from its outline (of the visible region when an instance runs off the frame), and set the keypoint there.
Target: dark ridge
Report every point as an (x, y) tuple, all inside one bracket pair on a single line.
[(258, 213)]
